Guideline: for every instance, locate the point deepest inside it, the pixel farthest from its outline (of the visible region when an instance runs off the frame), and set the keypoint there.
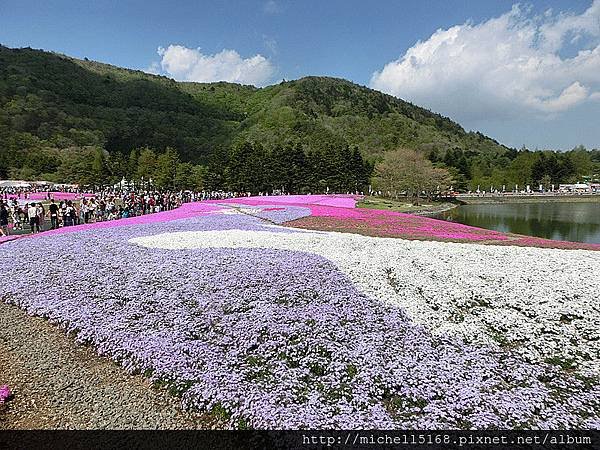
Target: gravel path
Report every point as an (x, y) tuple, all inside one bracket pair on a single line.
[(59, 384)]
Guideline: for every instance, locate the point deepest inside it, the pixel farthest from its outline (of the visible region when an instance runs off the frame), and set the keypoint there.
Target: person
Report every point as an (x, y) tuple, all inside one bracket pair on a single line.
[(34, 220), (112, 215), (53, 211), (92, 210), (41, 214), (70, 214), (4, 231), (65, 214), (16, 216), (84, 212), (76, 213), (100, 211)]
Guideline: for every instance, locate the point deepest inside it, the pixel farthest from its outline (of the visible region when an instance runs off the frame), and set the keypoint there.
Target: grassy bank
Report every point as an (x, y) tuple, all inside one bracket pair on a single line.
[(405, 206)]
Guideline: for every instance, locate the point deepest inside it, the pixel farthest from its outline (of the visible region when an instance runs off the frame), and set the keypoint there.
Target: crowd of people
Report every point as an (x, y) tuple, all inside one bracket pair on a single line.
[(18, 213), (25, 193)]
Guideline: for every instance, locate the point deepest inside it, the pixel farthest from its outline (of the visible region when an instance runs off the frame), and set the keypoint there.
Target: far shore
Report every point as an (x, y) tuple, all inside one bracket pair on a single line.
[(475, 200), (433, 208), (425, 208)]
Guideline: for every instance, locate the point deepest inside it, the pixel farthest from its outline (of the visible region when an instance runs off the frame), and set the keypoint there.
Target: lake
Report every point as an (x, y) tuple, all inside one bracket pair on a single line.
[(577, 222)]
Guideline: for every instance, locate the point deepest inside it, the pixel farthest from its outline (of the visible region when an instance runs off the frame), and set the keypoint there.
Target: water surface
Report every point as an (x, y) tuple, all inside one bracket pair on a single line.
[(577, 222)]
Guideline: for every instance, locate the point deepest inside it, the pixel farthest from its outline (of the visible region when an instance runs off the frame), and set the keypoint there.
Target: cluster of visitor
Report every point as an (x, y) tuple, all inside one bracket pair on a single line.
[(108, 206), (51, 213), (37, 216), (219, 195), (25, 193), (22, 211), (30, 215)]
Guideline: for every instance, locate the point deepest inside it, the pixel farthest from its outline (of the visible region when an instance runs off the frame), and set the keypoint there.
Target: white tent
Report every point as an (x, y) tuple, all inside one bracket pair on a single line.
[(14, 184), (123, 184)]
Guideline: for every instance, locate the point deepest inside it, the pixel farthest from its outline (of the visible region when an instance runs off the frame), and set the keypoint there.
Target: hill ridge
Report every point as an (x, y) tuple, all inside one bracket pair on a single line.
[(53, 101)]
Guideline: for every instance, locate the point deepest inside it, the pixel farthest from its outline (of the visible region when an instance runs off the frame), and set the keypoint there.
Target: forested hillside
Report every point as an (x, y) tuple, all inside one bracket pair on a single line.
[(60, 116)]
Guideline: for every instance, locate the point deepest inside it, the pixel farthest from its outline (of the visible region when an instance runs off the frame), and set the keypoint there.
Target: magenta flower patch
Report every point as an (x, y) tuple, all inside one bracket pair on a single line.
[(5, 393)]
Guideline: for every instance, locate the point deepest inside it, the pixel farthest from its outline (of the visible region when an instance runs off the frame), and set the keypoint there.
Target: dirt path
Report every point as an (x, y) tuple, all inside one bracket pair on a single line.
[(60, 384)]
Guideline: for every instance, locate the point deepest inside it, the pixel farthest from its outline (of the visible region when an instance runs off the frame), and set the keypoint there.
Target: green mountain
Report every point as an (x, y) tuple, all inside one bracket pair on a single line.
[(49, 100)]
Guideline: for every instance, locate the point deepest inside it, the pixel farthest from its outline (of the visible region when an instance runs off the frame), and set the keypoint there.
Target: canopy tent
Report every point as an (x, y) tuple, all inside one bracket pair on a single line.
[(124, 184), (14, 184)]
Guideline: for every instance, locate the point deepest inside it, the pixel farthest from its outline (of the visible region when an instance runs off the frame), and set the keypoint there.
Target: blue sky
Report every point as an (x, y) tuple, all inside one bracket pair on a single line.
[(527, 75)]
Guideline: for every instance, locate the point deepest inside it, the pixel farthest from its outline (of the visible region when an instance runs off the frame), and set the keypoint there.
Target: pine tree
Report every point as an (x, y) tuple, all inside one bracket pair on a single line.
[(166, 169), (146, 165)]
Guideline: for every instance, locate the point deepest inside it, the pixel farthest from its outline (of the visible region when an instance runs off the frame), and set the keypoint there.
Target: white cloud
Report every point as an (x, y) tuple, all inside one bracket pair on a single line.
[(573, 95), (573, 27), (508, 66), (271, 7), (270, 44), (153, 68), (595, 96), (188, 64)]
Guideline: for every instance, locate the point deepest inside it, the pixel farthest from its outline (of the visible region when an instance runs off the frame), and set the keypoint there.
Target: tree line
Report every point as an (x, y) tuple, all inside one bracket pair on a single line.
[(252, 167), (414, 174), (246, 167), (523, 167)]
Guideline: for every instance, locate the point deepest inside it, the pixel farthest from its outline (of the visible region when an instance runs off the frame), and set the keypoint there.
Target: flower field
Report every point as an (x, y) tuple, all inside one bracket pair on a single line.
[(273, 326), (339, 214)]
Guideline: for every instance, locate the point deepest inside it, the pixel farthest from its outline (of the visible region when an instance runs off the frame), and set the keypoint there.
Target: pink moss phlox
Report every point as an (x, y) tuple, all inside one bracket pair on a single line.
[(338, 201), (186, 211), (5, 393), (387, 222)]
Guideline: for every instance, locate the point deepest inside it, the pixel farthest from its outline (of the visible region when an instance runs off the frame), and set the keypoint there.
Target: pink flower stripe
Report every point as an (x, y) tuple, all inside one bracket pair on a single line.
[(391, 222), (8, 238), (394, 224), (186, 211), (340, 201)]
